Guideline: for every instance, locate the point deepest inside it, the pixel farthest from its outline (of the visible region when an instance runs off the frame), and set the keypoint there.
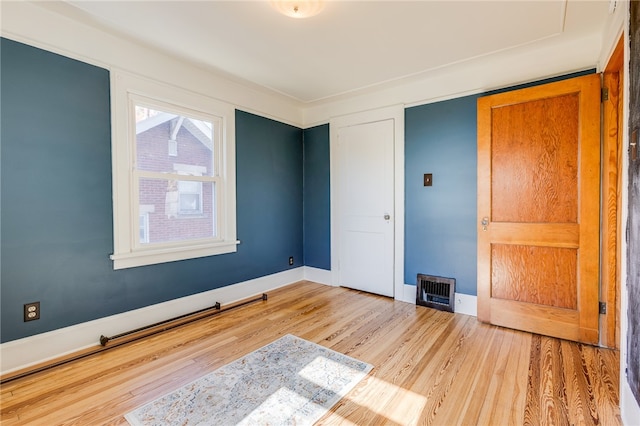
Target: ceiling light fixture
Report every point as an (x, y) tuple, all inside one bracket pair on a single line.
[(298, 8)]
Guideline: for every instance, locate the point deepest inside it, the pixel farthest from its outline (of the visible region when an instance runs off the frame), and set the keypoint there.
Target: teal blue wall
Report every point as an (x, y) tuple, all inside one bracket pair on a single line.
[(317, 203), (56, 217), (269, 191), (440, 237)]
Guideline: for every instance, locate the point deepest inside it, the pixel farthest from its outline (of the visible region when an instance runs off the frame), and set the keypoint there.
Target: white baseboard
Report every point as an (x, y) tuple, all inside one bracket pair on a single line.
[(22, 353), (320, 276), (409, 294), (464, 303), (323, 276), (32, 350), (629, 408)]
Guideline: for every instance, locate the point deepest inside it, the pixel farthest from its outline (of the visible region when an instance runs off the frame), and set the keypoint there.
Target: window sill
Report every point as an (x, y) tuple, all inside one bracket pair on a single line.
[(170, 254)]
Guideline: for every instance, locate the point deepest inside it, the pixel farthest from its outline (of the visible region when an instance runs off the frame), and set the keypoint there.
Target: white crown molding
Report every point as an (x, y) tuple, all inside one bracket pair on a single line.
[(58, 27), (548, 58)]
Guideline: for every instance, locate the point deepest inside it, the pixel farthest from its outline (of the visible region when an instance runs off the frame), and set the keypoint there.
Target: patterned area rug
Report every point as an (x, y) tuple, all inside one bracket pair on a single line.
[(290, 381)]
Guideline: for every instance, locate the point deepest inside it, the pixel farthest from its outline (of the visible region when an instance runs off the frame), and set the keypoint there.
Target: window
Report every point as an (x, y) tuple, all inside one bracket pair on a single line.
[(143, 221), (190, 197), (144, 228), (174, 174)]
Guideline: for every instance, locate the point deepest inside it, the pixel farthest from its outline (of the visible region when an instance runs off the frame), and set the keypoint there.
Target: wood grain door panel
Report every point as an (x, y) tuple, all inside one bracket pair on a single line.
[(541, 275), (533, 164), (539, 195)]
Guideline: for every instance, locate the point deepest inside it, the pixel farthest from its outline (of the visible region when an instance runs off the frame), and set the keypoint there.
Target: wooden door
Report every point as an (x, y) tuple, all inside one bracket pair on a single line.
[(366, 204), (538, 209)]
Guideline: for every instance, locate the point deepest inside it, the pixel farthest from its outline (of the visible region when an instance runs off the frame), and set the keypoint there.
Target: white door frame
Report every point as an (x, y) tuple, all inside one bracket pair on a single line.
[(396, 113)]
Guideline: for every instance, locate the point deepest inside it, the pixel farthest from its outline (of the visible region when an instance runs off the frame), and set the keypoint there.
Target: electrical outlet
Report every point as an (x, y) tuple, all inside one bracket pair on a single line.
[(291, 261), (31, 311)]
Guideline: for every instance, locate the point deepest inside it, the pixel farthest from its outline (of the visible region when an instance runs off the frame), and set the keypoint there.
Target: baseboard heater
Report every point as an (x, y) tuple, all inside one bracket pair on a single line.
[(436, 292), (107, 343)]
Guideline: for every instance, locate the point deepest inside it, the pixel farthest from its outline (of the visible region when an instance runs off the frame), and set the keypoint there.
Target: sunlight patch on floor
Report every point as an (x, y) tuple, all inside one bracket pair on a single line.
[(284, 401), (407, 404)]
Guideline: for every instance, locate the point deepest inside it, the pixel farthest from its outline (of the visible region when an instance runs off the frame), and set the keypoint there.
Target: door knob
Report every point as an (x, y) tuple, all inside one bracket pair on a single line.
[(387, 217), (484, 223)]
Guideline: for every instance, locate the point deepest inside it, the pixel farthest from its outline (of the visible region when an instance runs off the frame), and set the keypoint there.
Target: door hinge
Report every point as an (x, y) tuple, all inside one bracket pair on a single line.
[(604, 94), (602, 308)]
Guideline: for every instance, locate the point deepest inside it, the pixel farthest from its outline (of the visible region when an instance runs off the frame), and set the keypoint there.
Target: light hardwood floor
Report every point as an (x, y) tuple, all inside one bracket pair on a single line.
[(430, 367)]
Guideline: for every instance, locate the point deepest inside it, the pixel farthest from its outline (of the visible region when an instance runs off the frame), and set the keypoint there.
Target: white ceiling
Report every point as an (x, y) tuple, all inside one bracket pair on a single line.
[(351, 45)]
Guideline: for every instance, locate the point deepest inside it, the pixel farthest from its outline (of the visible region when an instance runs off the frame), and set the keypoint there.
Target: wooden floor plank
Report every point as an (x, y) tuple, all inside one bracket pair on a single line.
[(493, 410), (430, 367)]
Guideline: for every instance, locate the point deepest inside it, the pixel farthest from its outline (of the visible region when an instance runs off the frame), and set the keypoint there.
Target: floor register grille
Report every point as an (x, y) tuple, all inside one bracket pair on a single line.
[(436, 292)]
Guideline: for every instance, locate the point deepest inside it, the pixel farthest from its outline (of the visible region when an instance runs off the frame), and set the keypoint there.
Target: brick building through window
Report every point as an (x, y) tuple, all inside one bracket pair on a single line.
[(175, 208)]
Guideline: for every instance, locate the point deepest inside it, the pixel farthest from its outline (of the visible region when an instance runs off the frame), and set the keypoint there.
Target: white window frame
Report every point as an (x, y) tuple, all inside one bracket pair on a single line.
[(128, 252)]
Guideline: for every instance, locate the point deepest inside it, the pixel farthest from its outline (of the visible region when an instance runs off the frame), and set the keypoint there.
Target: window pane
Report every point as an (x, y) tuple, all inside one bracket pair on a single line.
[(144, 228), (177, 216), (190, 204), (167, 142), (189, 187)]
